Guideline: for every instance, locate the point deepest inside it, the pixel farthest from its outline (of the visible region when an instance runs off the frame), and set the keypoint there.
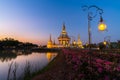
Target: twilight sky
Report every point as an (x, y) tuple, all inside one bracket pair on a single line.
[(34, 20)]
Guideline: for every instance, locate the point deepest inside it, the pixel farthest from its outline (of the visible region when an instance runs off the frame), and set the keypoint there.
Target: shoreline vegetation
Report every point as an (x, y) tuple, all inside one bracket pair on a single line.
[(12, 44)]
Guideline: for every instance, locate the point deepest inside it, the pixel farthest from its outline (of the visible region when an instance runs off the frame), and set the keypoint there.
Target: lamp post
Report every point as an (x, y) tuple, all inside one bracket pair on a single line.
[(92, 14)]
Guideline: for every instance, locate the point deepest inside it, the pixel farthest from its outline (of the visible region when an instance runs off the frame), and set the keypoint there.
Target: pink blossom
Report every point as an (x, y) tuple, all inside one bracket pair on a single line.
[(99, 60), (108, 63), (81, 76), (118, 68), (100, 69), (106, 78)]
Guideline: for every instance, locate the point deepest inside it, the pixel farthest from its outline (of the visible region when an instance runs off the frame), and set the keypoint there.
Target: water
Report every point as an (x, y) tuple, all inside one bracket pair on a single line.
[(37, 61)]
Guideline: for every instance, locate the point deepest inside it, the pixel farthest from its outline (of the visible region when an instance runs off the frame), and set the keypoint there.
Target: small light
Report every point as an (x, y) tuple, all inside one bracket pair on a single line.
[(104, 42), (74, 42)]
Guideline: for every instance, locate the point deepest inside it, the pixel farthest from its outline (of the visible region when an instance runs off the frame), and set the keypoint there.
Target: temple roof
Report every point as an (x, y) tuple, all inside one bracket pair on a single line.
[(50, 38), (63, 33)]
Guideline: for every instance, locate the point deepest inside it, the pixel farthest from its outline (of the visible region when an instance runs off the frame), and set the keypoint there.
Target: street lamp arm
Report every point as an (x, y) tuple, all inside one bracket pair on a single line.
[(91, 13)]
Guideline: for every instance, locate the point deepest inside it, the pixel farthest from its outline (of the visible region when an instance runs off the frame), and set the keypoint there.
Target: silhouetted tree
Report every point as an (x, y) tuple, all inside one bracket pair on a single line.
[(10, 43)]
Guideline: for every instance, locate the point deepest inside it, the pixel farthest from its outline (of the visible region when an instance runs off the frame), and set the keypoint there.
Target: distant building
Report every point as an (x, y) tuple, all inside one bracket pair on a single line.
[(50, 44), (79, 42), (64, 40)]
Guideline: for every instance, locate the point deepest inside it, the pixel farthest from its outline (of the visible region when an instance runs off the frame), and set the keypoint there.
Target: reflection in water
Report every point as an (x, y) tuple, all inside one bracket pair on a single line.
[(37, 61), (50, 55), (8, 55), (5, 56)]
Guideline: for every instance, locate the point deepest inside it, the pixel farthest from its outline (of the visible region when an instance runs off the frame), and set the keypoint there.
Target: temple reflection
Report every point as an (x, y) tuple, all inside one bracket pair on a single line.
[(50, 55)]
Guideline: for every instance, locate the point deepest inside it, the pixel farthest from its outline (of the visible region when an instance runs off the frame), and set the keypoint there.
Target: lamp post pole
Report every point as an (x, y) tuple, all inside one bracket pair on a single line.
[(89, 31), (92, 14)]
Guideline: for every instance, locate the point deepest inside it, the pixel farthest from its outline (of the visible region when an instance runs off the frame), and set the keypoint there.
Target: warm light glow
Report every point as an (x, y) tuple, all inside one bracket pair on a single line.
[(104, 42), (74, 42), (86, 44), (50, 55), (82, 47), (49, 45), (98, 48), (102, 27)]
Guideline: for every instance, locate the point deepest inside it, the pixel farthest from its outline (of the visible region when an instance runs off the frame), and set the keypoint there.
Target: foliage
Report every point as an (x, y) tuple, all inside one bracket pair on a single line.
[(10, 43), (92, 65), (27, 71), (12, 70)]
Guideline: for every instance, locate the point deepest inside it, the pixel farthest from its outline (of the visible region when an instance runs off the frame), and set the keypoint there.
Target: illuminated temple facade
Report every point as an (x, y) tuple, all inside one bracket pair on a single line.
[(64, 40)]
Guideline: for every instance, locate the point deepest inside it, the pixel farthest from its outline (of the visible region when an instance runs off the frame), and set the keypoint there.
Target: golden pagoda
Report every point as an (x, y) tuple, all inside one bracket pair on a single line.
[(64, 39), (49, 45), (79, 42)]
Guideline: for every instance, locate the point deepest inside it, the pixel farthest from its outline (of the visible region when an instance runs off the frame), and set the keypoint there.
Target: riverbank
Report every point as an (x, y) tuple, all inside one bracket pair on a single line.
[(45, 50), (56, 70)]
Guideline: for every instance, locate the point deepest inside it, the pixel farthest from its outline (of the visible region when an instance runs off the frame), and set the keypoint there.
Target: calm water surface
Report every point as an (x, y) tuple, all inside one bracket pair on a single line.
[(37, 61)]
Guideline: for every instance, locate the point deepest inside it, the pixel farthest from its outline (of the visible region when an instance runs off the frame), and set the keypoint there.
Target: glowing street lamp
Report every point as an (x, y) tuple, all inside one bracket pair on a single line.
[(92, 14), (102, 26)]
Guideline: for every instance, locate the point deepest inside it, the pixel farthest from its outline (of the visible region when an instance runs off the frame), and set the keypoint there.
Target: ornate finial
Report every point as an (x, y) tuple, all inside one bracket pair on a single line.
[(63, 27), (50, 37), (79, 41), (78, 36)]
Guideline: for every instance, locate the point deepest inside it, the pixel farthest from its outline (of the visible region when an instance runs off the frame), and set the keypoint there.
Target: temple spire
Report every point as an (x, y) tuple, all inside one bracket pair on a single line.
[(63, 27), (50, 44), (79, 42), (50, 38), (79, 37)]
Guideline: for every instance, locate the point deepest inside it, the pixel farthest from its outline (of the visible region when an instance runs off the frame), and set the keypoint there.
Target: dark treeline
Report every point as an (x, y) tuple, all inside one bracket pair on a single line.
[(10, 43), (106, 45)]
